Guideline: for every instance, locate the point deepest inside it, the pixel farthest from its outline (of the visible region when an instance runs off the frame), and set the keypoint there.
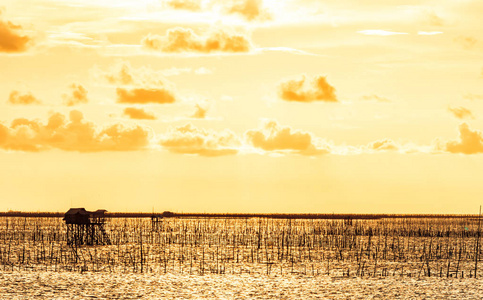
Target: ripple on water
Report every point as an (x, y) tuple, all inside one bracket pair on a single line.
[(68, 285)]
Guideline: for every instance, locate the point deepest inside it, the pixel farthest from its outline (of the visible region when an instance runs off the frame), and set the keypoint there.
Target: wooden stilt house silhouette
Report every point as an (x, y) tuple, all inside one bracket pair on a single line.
[(86, 227), (157, 220)]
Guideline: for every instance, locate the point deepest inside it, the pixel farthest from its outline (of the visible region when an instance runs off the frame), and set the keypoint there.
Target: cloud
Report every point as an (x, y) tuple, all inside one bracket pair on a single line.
[(307, 90), (191, 140), (138, 113), (250, 10), (382, 145), (145, 95), (23, 99), (11, 41), (179, 40), (78, 95), (140, 85), (192, 5), (273, 137), (461, 112), (200, 112), (122, 75), (3, 134), (380, 32), (470, 142), (75, 134), (467, 42), (375, 98)]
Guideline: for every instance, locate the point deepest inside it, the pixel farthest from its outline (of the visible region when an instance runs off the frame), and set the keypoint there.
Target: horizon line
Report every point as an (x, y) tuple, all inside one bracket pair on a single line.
[(168, 214)]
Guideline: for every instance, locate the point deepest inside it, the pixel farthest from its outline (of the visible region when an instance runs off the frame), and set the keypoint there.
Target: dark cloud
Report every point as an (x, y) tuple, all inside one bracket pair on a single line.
[(307, 90), (192, 5), (250, 9), (274, 137), (74, 134), (78, 95), (382, 145), (470, 141), (461, 112), (145, 95), (138, 113), (23, 99), (11, 40), (200, 112)]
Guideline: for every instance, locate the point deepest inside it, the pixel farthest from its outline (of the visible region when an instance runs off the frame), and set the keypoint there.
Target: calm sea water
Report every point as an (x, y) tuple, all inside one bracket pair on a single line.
[(73, 285)]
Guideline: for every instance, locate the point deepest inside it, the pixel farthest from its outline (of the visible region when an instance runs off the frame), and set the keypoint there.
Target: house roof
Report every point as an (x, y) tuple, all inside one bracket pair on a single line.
[(83, 213), (73, 211)]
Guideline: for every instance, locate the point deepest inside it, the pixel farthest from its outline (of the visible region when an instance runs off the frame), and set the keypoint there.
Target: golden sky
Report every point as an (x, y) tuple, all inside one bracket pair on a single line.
[(242, 106)]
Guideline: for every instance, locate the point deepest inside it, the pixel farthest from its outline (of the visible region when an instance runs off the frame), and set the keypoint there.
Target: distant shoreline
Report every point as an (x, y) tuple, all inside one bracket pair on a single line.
[(246, 215)]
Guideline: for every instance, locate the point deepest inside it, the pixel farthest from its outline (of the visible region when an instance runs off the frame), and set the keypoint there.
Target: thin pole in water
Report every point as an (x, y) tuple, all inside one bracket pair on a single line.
[(477, 242)]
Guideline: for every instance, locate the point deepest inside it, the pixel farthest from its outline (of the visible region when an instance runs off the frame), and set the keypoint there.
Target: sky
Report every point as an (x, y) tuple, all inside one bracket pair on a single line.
[(250, 106)]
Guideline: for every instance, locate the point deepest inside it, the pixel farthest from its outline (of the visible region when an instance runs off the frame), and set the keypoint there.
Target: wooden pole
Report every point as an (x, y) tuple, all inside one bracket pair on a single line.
[(141, 247), (477, 242)]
